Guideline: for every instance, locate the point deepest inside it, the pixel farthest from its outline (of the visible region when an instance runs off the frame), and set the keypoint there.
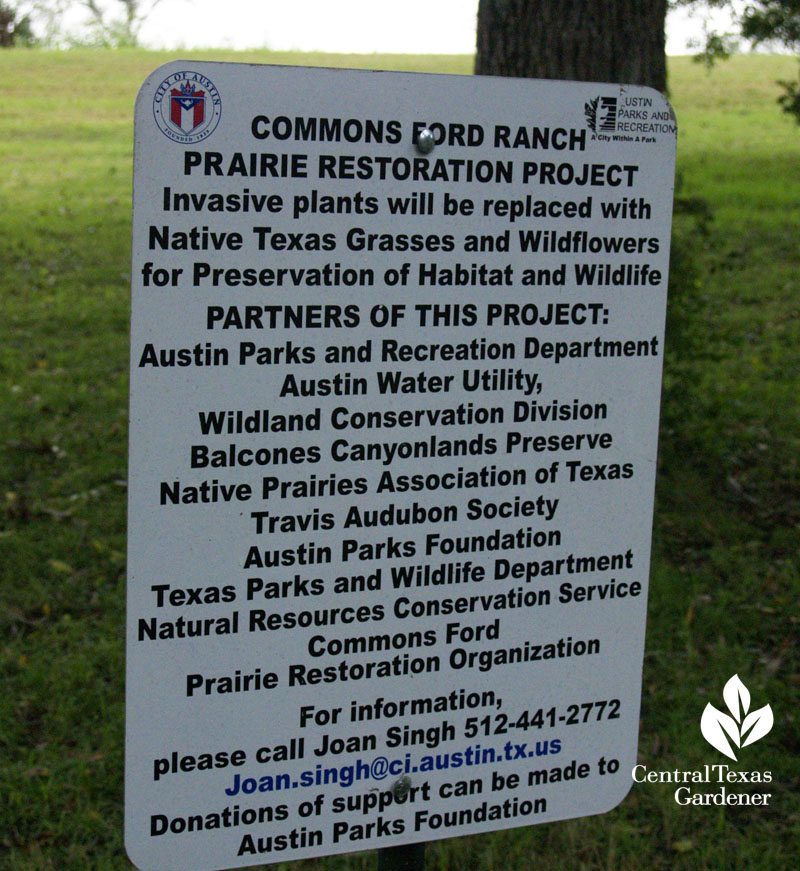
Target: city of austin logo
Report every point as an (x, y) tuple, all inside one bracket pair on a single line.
[(738, 728), (187, 107)]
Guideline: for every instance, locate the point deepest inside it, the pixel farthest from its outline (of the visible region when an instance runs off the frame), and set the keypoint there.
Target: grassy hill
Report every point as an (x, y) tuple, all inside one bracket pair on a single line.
[(724, 595)]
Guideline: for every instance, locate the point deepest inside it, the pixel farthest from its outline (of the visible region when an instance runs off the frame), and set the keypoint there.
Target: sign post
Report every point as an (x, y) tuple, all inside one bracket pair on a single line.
[(408, 857), (396, 349)]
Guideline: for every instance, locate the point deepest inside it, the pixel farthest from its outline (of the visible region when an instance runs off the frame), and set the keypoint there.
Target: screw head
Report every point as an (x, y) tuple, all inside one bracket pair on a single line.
[(402, 787), (425, 141)]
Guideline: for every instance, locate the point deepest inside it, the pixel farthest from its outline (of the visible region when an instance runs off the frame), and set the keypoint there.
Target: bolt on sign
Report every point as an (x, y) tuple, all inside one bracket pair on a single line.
[(396, 353)]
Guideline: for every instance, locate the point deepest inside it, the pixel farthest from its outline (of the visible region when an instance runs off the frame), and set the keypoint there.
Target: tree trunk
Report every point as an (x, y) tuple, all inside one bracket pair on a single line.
[(586, 40), (6, 27)]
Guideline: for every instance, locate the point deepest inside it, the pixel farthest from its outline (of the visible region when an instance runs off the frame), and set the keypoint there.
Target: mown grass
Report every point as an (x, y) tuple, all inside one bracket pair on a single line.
[(724, 593)]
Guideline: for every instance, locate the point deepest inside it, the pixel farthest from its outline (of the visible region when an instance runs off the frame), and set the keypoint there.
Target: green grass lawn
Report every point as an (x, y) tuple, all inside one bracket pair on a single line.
[(724, 593)]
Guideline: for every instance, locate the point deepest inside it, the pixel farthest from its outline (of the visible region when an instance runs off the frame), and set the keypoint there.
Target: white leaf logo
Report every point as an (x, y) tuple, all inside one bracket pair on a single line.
[(741, 728), (711, 725), (737, 698), (759, 723)]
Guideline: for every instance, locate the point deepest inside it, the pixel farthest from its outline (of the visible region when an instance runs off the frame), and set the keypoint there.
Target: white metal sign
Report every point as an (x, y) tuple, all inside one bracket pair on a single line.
[(396, 354)]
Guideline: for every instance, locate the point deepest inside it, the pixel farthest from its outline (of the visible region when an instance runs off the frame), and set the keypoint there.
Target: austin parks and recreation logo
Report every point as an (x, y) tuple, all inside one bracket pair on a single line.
[(187, 107), (629, 117), (601, 114), (740, 728)]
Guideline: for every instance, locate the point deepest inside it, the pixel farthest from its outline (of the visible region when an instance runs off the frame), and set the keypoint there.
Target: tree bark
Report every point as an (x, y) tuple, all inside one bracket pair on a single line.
[(585, 40), (6, 27)]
